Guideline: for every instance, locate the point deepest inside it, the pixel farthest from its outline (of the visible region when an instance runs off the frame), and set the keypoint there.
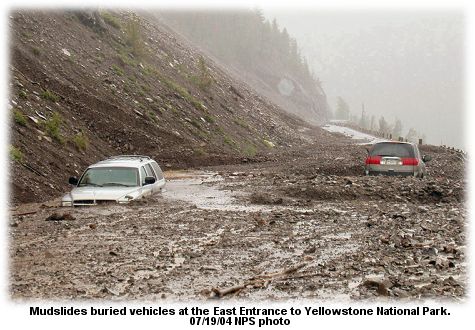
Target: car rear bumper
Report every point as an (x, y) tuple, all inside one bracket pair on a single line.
[(394, 170), (391, 173)]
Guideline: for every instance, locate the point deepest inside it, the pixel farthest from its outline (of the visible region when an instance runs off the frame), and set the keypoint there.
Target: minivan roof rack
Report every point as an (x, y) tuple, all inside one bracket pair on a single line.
[(129, 156)]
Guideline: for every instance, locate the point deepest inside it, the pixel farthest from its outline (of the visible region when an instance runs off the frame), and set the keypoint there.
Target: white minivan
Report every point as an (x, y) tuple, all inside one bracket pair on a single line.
[(118, 179)]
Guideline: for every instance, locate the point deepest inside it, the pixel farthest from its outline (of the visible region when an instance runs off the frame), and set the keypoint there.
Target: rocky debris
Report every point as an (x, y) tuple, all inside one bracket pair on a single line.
[(381, 286), (304, 199), (60, 217), (80, 69), (92, 19), (361, 249), (258, 282), (264, 198)]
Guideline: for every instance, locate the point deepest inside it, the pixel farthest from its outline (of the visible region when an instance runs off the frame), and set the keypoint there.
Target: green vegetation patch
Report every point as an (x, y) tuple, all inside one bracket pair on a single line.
[(19, 117), (111, 20), (134, 36), (203, 80), (242, 123), (49, 95), (228, 140), (117, 70), (196, 123), (125, 58), (81, 141), (53, 127), (183, 93), (250, 150), (15, 154), (36, 51), (209, 118), (152, 116), (268, 143), (200, 152), (22, 94)]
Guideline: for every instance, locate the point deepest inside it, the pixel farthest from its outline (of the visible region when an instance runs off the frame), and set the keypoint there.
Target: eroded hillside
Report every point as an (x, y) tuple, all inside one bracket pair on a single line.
[(86, 85), (258, 51)]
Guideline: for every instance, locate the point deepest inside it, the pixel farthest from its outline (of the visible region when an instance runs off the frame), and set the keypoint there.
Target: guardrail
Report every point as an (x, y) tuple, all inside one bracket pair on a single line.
[(389, 136)]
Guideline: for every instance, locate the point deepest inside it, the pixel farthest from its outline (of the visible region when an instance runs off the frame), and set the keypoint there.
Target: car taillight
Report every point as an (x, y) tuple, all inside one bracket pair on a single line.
[(410, 161), (373, 160)]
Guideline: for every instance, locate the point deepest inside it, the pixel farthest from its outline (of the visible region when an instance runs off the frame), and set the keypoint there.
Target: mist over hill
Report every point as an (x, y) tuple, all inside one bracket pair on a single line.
[(259, 51), (402, 64)]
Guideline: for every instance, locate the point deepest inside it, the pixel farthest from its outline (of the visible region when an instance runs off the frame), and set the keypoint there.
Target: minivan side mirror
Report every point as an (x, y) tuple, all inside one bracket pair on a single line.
[(149, 180), (73, 181), (426, 158)]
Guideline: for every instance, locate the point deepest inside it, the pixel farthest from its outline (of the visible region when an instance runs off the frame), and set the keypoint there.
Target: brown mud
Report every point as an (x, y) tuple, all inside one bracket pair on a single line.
[(307, 225)]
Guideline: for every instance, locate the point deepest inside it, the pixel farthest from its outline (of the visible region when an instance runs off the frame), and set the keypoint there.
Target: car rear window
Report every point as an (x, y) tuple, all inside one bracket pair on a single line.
[(392, 149)]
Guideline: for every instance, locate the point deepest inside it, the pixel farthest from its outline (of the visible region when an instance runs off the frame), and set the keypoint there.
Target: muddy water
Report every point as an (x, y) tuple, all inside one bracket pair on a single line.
[(202, 234), (206, 191), (203, 190), (198, 188)]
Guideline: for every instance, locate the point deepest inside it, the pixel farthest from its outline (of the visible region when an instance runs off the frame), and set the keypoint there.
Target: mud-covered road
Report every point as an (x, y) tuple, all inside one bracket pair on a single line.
[(307, 225)]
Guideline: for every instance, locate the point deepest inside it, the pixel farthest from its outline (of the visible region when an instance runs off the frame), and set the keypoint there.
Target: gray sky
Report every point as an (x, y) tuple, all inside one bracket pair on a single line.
[(409, 64)]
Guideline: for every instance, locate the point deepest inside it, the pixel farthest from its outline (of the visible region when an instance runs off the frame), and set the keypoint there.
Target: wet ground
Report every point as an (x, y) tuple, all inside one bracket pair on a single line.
[(221, 236)]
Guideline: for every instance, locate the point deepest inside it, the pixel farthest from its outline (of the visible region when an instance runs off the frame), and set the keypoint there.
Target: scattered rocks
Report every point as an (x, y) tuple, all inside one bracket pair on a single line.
[(264, 198), (60, 217), (317, 206), (381, 286)]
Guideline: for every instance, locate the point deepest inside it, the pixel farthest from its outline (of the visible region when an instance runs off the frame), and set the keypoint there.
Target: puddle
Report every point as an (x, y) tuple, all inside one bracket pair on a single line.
[(195, 191), (205, 191), (342, 236), (202, 189)]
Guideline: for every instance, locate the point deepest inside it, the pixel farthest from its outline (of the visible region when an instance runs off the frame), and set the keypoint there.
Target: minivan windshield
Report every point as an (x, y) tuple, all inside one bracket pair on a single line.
[(110, 176), (392, 149)]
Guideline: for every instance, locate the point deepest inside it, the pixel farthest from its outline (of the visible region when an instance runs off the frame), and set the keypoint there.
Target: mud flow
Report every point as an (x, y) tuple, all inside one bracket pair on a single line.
[(241, 232)]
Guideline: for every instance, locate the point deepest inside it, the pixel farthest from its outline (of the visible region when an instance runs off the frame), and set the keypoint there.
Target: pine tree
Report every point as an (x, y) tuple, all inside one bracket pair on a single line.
[(383, 125), (397, 129), (372, 126), (364, 122), (412, 135), (342, 109)]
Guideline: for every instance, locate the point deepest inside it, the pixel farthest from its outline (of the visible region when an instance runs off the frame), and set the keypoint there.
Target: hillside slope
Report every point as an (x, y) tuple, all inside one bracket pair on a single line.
[(87, 85), (259, 52)]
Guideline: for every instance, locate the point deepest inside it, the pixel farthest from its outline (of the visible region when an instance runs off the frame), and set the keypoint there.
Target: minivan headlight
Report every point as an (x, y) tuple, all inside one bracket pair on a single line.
[(67, 200)]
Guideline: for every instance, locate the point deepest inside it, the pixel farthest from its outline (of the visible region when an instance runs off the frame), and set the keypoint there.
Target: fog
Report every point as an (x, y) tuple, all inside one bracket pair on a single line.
[(408, 65)]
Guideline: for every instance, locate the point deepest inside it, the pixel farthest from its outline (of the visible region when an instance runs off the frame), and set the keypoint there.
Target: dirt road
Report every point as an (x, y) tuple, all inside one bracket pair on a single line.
[(308, 225)]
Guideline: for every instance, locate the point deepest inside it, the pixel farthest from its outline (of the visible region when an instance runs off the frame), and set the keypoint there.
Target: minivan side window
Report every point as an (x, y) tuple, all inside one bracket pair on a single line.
[(149, 171), (143, 174), (157, 170)]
